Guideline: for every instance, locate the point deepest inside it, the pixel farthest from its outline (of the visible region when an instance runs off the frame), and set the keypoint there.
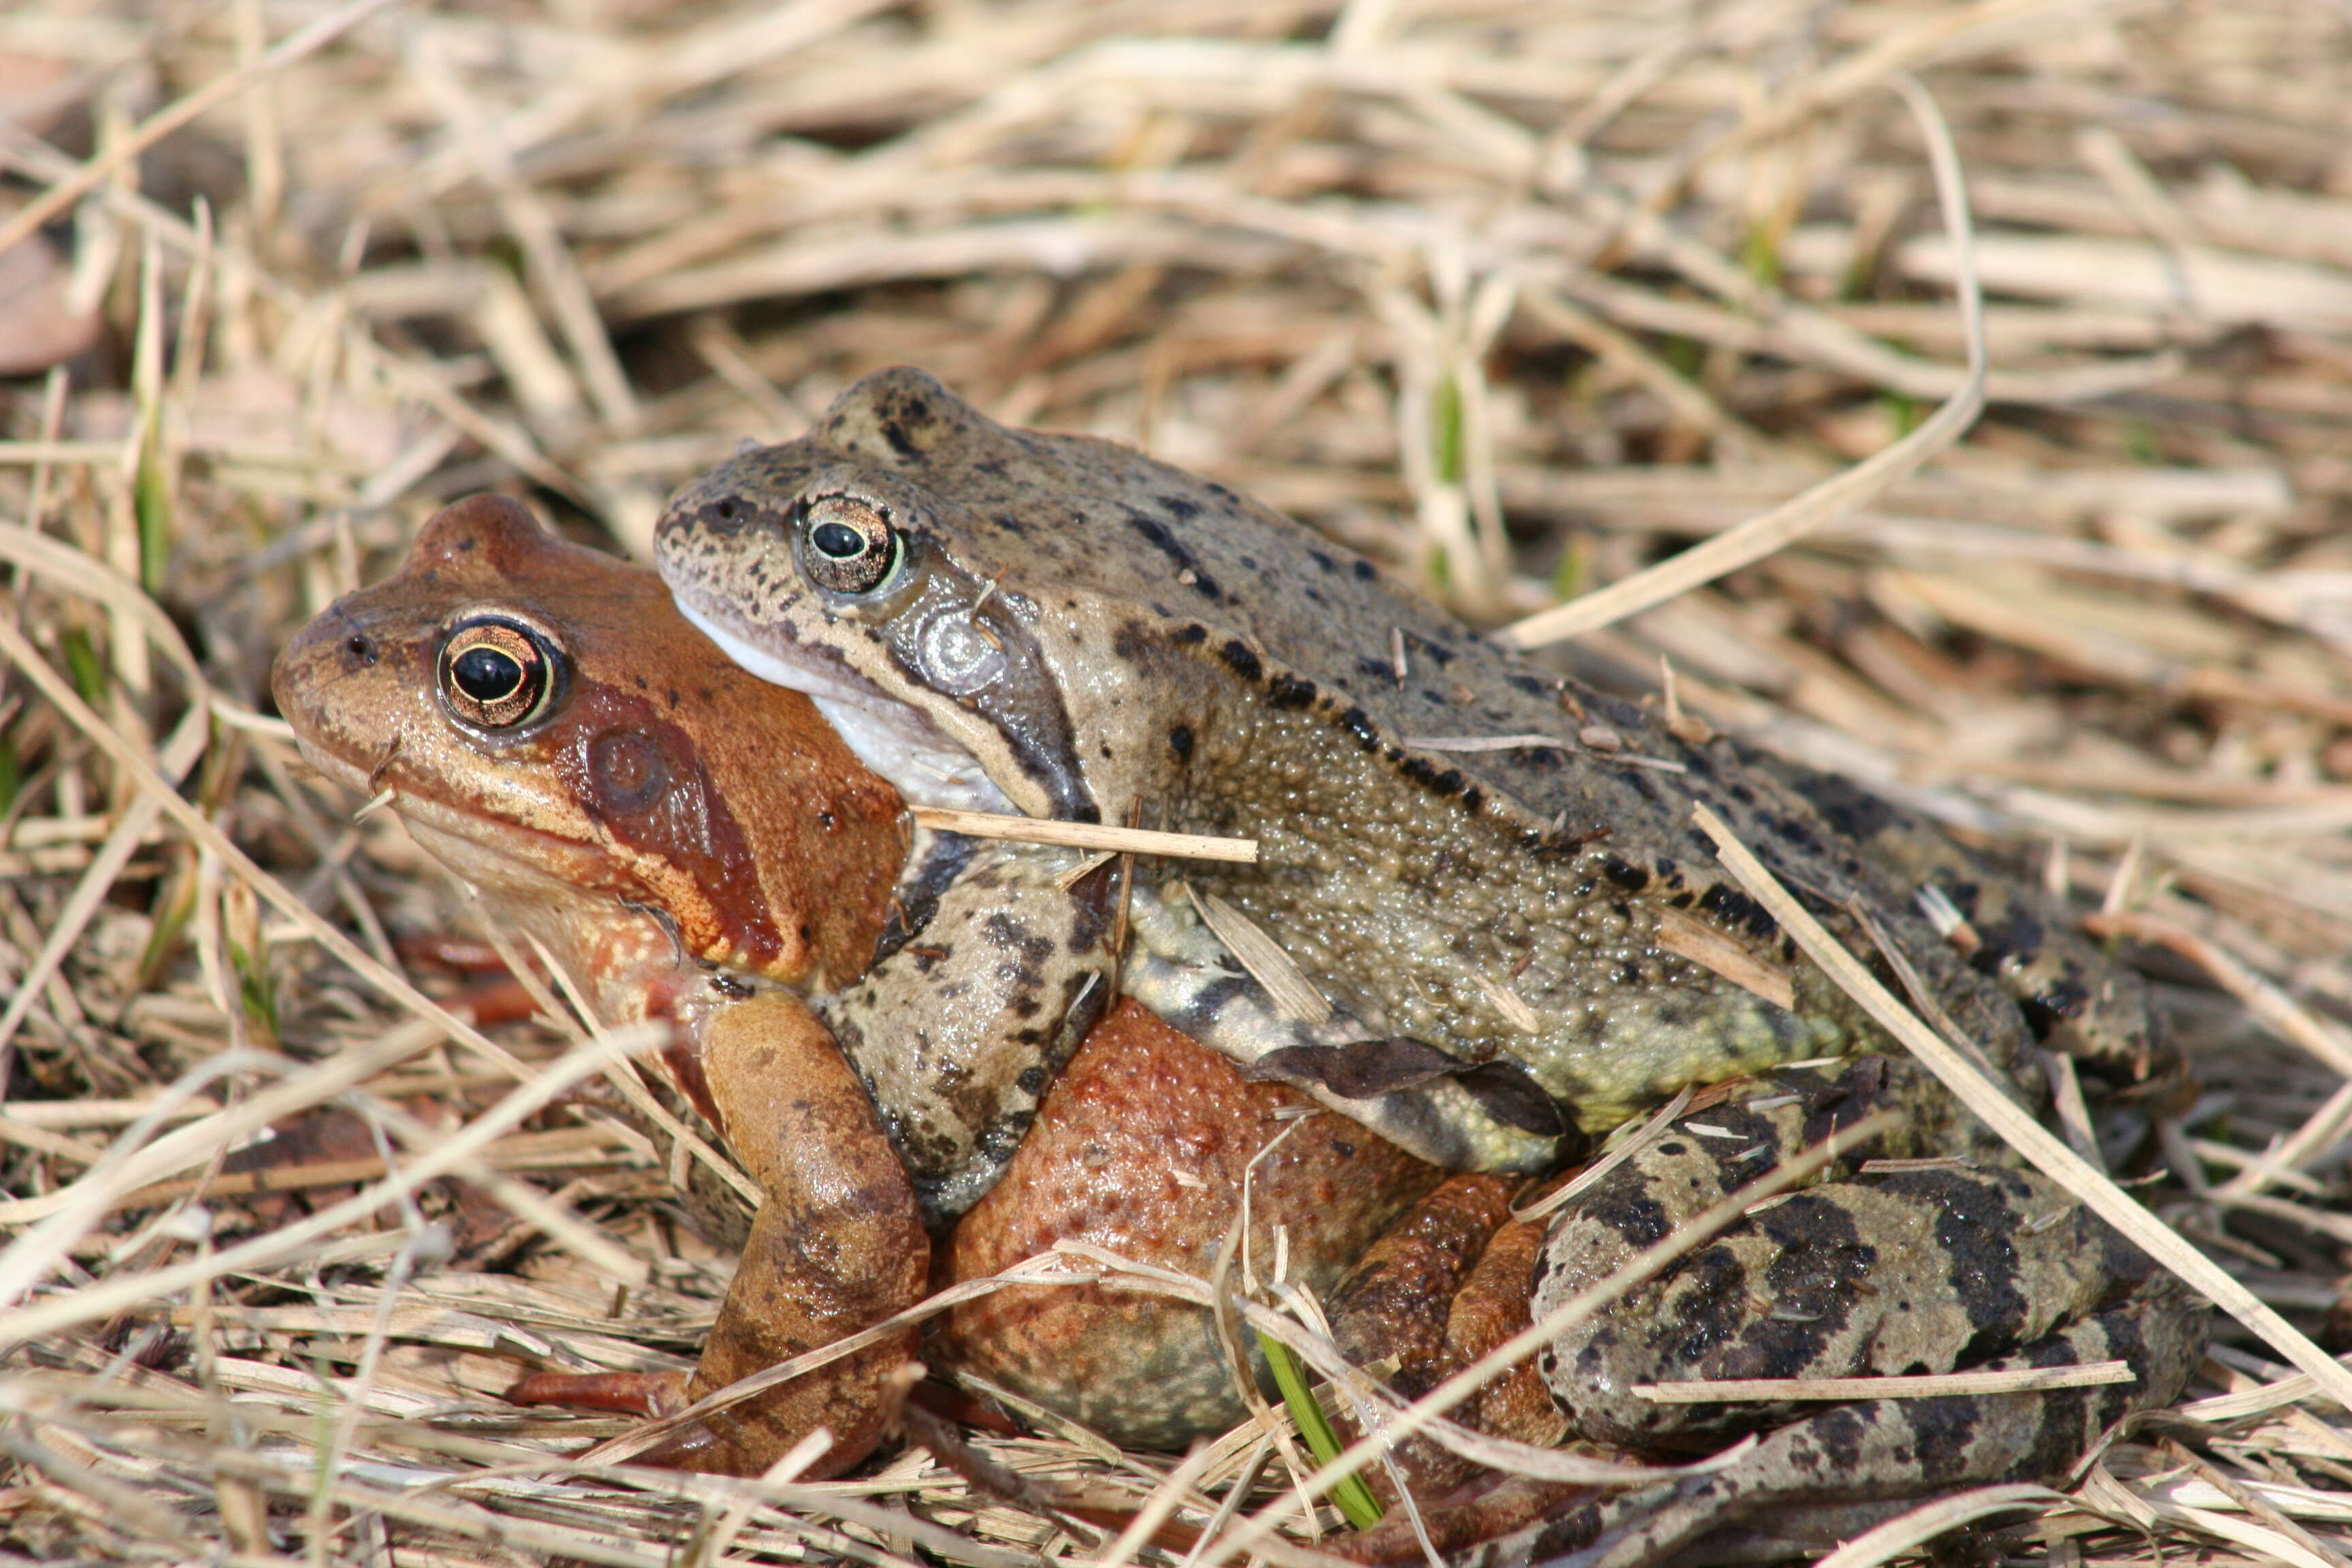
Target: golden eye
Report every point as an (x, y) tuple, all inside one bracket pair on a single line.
[(497, 674), (847, 545)]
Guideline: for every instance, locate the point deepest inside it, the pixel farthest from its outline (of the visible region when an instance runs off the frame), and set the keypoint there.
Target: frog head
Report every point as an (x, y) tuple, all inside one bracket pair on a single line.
[(549, 729), (977, 608), (847, 582)]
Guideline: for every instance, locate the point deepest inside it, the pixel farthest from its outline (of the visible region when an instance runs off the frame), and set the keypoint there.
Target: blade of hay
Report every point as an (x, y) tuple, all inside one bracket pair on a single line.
[(88, 176), (1086, 835), (1295, 996), (527, 1099), (1915, 1385)]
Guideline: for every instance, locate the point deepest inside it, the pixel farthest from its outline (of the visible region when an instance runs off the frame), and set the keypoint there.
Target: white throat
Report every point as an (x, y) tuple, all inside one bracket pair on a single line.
[(887, 735)]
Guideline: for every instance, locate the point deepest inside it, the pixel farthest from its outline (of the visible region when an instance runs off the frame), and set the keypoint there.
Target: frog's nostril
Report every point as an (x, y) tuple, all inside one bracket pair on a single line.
[(360, 648)]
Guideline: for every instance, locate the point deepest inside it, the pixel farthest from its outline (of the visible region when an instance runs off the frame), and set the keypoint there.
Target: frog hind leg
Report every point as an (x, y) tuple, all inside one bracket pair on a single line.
[(645, 1394), (1398, 1305), (1441, 1289), (837, 1246), (959, 1032), (1892, 1448)]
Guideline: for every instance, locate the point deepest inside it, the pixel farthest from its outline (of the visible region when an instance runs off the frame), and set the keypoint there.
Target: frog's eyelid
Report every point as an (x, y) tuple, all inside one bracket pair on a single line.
[(497, 614)]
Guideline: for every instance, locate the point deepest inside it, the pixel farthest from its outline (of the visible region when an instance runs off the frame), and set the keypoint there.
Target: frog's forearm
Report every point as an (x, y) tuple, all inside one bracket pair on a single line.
[(959, 1032), (1439, 1120)]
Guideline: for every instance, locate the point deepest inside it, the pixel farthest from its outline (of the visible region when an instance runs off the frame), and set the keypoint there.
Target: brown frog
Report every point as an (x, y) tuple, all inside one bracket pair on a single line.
[(688, 847), (564, 778)]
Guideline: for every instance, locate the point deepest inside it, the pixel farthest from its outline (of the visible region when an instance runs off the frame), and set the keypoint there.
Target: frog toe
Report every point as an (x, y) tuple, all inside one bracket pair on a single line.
[(645, 1394)]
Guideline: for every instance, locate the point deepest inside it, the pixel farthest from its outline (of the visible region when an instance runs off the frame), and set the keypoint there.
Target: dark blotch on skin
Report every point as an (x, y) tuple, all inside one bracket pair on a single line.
[(1287, 691), (1941, 1433), (1632, 879), (918, 896), (1731, 906), (1161, 537), (1977, 1212), (1820, 1253), (630, 788), (1179, 741), (1131, 641), (1424, 772), (2019, 938), (1244, 660), (2053, 1005)]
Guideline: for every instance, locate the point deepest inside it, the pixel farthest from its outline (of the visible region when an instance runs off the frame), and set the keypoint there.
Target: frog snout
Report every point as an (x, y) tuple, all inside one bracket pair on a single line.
[(334, 646)]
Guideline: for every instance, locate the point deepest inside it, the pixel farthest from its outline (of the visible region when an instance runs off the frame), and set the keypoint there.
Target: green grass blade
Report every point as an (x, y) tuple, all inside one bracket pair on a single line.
[(1353, 1499)]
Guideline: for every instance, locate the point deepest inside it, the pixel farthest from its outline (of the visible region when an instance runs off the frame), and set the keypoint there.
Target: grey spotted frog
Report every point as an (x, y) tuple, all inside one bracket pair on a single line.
[(1491, 932)]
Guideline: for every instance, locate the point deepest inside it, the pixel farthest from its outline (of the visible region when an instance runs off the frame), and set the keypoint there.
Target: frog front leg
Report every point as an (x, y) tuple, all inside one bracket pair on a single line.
[(960, 1030), (836, 1245)]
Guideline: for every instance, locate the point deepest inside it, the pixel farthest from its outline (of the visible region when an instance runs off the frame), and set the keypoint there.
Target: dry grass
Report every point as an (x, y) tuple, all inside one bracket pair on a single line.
[(1517, 296)]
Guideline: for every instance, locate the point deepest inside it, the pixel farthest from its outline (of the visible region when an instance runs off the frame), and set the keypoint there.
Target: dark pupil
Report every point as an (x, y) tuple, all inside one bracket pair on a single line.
[(838, 540), (486, 674)]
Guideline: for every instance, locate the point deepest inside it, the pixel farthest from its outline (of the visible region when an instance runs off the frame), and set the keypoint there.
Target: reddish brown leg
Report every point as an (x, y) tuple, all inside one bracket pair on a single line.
[(1448, 1285), (1396, 1306), (837, 1246)]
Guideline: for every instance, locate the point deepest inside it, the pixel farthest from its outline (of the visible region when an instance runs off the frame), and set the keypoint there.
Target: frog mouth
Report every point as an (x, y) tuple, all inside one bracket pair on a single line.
[(889, 736), (479, 847)]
